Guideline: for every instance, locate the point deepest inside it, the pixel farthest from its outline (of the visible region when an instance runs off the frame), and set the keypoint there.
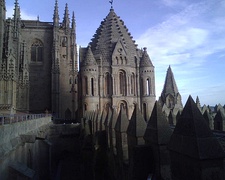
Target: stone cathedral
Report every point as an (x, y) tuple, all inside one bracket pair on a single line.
[(39, 68)]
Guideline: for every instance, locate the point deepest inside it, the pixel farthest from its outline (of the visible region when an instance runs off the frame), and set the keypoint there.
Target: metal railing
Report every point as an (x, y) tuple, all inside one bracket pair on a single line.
[(14, 118)]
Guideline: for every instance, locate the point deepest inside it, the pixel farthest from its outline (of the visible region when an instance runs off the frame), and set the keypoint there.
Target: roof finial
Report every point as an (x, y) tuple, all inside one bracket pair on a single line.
[(111, 2)]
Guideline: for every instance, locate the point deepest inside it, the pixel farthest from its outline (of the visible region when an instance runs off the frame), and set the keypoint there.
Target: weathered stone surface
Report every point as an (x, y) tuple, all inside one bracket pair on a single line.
[(194, 136)]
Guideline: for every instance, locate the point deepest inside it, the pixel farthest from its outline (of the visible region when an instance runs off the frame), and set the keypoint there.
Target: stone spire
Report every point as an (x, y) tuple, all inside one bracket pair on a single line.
[(16, 20), (137, 126), (145, 60), (73, 22), (219, 121), (170, 86), (192, 136), (157, 135), (16, 15), (158, 130), (170, 97), (122, 121), (208, 119), (66, 20), (194, 150), (198, 104), (56, 14)]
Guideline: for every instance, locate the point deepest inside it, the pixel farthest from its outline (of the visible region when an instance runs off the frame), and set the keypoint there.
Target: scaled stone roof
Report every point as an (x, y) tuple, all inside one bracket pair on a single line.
[(111, 30), (158, 130), (89, 59), (122, 121), (193, 137), (137, 124), (170, 86), (145, 60)]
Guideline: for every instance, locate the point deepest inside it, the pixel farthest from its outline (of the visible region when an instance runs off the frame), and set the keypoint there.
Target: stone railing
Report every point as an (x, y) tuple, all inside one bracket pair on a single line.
[(10, 119)]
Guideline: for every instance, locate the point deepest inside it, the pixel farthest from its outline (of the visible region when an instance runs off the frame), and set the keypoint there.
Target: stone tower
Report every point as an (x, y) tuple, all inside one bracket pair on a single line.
[(114, 72), (2, 25), (13, 79), (170, 97), (38, 64), (64, 66)]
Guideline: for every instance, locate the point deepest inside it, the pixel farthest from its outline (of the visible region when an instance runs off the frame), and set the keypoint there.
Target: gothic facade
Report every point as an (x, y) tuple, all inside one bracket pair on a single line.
[(38, 64), (39, 69)]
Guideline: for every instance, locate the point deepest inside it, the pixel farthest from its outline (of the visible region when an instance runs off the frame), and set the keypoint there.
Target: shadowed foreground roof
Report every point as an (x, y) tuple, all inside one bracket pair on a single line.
[(193, 137), (158, 130)]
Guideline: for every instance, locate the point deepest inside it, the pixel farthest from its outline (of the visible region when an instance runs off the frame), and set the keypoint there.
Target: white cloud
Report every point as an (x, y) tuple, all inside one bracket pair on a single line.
[(185, 40), (24, 15)]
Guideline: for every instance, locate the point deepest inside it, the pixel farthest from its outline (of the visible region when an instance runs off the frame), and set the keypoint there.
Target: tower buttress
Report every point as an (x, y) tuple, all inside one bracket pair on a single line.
[(55, 62), (2, 25)]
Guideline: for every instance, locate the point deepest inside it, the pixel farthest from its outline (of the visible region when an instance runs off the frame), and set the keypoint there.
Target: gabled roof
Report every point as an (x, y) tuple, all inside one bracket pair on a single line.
[(170, 86), (193, 137), (112, 29), (158, 130), (137, 124)]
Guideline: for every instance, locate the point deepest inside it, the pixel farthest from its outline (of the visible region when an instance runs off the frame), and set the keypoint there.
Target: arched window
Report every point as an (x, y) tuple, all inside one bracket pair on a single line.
[(142, 87), (85, 86), (122, 83), (37, 51), (92, 86), (145, 111), (133, 84), (107, 84), (85, 107), (123, 104), (148, 86)]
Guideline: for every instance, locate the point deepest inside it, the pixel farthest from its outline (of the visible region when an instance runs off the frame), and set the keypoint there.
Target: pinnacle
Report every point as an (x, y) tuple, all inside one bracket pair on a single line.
[(122, 121), (158, 130), (194, 135), (137, 124)]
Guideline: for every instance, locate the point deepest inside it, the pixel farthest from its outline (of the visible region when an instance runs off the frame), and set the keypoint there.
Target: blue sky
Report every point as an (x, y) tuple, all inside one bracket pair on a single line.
[(189, 35)]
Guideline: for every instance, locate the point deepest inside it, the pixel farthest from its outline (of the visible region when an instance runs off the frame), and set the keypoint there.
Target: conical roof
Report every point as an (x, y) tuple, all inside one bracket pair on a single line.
[(122, 121), (193, 137), (219, 116), (137, 124), (207, 117), (145, 60), (89, 58), (112, 29), (158, 130), (170, 86)]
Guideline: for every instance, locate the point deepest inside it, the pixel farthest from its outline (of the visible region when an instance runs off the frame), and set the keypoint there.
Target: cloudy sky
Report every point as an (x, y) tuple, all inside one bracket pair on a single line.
[(189, 35)]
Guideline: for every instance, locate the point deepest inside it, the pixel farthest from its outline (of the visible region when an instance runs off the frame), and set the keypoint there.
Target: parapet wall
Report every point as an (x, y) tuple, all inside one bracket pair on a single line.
[(22, 150), (10, 133)]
